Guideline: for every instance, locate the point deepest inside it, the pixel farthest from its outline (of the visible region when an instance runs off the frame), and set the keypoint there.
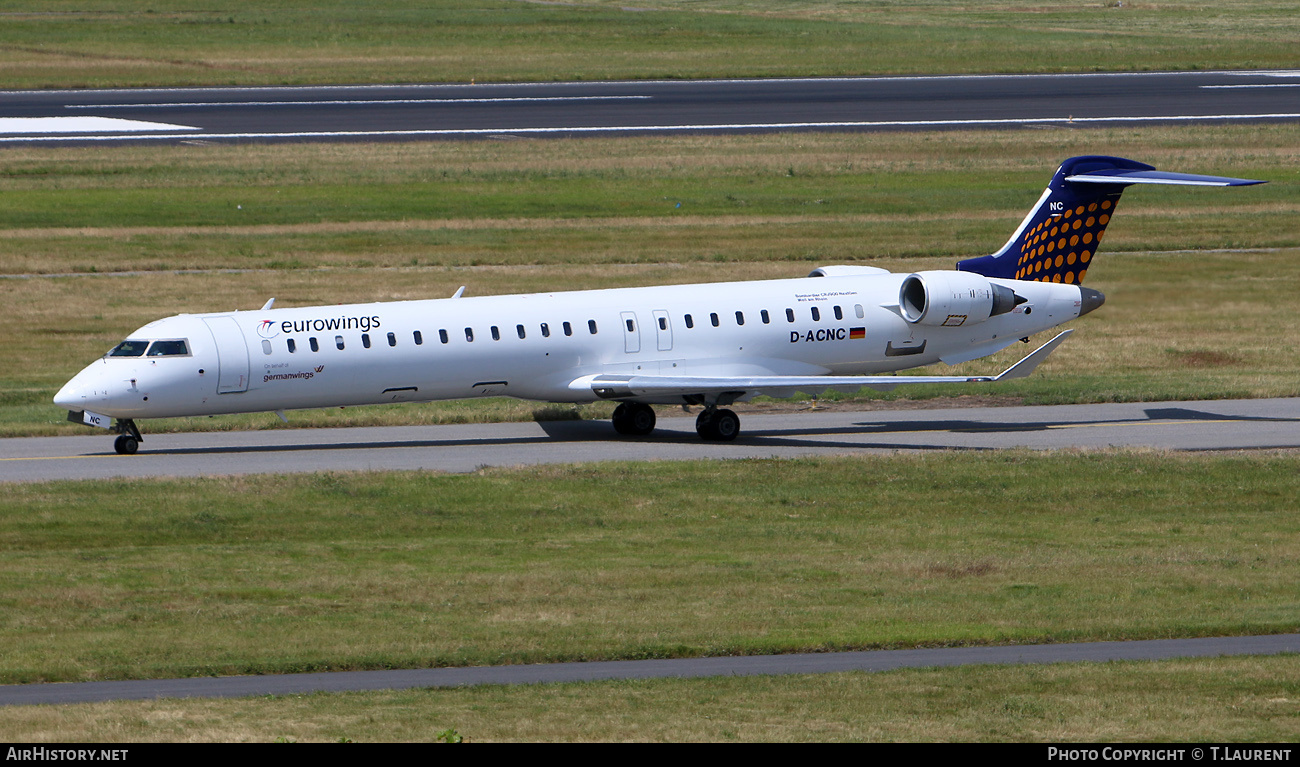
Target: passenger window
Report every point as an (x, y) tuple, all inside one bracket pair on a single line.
[(365, 340), (568, 329), (312, 342), (713, 317), (496, 333), (520, 330), (816, 314), (690, 322), (663, 323), (338, 341), (789, 315), (129, 349), (392, 339), (631, 328), (857, 309), (293, 346), (591, 326), (266, 346), (168, 349), (419, 338), (546, 330), (469, 334), (442, 335), (740, 318), (767, 318), (839, 313)]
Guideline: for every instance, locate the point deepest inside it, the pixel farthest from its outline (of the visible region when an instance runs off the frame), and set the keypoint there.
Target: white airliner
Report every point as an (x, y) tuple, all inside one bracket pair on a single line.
[(840, 328)]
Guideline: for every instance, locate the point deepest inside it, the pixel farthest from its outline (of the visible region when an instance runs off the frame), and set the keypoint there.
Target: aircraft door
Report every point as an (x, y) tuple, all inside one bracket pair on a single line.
[(232, 354), (631, 333), (663, 330)]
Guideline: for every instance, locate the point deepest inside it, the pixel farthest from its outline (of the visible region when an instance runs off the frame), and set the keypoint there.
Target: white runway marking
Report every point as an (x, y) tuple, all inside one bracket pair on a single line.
[(1068, 119), (1256, 85), (74, 125), (353, 102)]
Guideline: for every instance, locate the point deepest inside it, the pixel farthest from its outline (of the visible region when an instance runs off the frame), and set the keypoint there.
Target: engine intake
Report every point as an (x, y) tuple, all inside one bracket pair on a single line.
[(953, 299)]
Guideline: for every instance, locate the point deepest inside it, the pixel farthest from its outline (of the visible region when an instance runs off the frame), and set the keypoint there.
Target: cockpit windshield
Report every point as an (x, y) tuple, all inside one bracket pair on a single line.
[(170, 348), (129, 349), (176, 348)]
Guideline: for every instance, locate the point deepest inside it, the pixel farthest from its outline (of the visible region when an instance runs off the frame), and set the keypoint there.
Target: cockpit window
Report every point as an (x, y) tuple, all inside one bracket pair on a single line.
[(129, 349), (176, 348)]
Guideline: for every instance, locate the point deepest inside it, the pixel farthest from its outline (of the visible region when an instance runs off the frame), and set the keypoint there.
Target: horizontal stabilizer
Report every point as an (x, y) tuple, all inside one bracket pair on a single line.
[(735, 387), (1121, 176)]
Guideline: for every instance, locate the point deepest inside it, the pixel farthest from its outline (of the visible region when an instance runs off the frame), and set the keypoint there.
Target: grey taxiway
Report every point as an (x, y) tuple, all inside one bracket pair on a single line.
[(537, 110), (1209, 425)]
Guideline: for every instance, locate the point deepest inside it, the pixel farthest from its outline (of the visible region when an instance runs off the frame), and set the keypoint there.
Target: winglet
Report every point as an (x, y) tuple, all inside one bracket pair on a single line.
[(1024, 367)]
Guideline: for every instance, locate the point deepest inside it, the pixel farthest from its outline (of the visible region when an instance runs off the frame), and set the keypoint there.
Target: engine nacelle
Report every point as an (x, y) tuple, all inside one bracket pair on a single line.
[(952, 299)]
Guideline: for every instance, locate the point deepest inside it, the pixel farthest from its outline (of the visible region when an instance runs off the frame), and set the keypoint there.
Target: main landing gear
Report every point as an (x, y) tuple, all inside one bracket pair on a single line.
[(128, 437), (634, 419), (714, 424), (717, 425)]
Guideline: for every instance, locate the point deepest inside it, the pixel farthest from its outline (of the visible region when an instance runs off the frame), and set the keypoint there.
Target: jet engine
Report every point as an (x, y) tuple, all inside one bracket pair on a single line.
[(953, 299)]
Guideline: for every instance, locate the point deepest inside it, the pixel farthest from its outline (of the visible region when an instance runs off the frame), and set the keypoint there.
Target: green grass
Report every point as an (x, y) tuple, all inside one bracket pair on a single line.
[(128, 579), (94, 43), (1219, 700)]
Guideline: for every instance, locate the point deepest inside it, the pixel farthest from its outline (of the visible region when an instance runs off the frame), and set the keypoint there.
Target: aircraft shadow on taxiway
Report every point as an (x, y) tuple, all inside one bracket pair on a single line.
[(600, 431)]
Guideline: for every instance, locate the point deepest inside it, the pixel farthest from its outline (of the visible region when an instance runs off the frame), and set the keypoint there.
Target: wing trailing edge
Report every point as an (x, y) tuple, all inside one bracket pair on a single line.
[(619, 387)]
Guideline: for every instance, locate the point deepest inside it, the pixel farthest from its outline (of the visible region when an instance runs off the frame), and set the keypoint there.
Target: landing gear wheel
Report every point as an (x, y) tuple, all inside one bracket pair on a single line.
[(634, 419), (125, 444), (718, 425)]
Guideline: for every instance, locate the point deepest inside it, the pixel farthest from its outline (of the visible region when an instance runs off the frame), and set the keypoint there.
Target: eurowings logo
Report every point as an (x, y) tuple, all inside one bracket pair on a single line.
[(267, 329)]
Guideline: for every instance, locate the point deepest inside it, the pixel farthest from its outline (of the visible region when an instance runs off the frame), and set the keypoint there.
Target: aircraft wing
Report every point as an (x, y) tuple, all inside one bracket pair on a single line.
[(609, 386)]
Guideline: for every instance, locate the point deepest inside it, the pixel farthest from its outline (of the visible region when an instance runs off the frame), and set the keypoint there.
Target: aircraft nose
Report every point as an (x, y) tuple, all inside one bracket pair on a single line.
[(69, 397), (81, 391)]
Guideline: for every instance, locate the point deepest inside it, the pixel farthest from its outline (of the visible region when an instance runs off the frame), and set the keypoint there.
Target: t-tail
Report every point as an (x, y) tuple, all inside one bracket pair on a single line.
[(1058, 239)]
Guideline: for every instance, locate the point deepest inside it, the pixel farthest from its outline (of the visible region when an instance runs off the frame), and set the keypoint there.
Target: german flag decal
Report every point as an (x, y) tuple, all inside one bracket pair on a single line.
[(857, 333)]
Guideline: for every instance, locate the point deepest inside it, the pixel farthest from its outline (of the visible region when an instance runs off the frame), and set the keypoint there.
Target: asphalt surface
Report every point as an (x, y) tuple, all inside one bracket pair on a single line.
[(818, 663), (454, 111), (1210, 425)]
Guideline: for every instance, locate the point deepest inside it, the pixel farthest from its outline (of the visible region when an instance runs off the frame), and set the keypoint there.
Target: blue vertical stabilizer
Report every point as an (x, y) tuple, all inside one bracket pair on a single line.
[(1058, 239)]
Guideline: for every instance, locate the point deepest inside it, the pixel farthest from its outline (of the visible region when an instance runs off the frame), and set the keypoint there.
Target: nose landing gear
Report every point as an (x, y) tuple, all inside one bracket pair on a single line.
[(128, 438)]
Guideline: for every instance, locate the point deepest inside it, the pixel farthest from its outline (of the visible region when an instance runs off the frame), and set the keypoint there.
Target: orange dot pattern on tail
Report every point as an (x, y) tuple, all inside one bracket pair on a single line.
[(1060, 248)]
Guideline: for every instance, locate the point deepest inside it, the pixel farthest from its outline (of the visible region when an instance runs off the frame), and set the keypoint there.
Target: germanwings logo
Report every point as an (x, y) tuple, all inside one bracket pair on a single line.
[(302, 375)]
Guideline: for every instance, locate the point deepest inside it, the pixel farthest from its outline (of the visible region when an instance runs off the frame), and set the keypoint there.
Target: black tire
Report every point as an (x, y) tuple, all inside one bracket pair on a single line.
[(620, 419), (634, 419), (704, 425), (643, 419), (725, 426), (125, 444)]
